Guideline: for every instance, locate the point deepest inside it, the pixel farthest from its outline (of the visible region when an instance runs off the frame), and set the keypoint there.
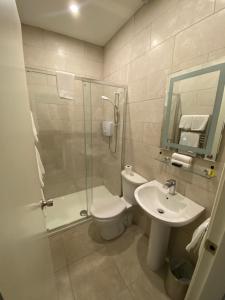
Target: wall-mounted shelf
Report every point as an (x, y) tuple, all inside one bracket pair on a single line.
[(197, 170)]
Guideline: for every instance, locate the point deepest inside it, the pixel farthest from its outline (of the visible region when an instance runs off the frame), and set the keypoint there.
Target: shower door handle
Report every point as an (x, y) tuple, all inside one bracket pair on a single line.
[(45, 203)]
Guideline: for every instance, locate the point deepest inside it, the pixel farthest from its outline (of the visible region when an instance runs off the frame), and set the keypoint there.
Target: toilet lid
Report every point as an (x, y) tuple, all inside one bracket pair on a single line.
[(108, 210)]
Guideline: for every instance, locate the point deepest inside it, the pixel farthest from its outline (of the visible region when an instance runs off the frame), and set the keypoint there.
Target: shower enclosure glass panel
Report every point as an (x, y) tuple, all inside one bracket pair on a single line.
[(106, 152), (61, 133), (81, 164)]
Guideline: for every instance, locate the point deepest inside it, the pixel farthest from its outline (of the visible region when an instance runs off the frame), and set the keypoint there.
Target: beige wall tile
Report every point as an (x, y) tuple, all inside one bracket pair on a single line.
[(152, 134), (200, 39), (134, 130), (137, 90), (138, 68), (33, 56), (220, 4), (151, 11), (49, 50), (33, 36), (122, 38), (55, 60), (156, 84), (192, 11), (147, 111), (160, 58), (59, 43), (216, 54), (180, 16), (202, 197), (93, 52), (140, 43), (35, 78)]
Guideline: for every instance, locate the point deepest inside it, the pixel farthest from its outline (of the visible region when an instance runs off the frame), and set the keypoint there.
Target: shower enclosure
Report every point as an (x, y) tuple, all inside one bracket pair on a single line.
[(82, 163)]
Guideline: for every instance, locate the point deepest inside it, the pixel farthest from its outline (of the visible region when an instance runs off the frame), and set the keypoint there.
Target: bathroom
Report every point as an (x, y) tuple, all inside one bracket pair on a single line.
[(112, 149)]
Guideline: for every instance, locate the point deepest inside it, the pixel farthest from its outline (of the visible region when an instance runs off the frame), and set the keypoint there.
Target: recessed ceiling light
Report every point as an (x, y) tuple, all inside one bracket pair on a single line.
[(74, 8)]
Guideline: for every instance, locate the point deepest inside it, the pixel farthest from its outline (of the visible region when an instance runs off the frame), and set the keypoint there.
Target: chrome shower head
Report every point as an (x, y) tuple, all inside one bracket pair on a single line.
[(105, 98)]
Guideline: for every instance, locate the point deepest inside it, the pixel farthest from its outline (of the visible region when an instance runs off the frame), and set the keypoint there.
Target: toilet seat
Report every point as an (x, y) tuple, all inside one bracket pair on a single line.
[(108, 210)]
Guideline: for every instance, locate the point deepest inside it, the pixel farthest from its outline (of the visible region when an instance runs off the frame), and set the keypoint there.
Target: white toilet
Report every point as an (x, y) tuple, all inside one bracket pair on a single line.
[(112, 217)]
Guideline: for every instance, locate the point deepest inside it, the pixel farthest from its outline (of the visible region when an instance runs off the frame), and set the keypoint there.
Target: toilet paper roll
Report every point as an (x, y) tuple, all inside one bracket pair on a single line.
[(179, 163), (128, 170), (183, 158)]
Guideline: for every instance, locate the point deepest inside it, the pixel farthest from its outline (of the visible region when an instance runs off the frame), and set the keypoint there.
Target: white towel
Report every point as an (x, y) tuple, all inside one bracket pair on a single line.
[(198, 236), (41, 170), (190, 139), (183, 158), (185, 122), (199, 122), (65, 85), (34, 127)]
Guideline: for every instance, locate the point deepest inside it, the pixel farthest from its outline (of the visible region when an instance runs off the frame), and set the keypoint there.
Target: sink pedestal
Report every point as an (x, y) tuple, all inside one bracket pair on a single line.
[(158, 245)]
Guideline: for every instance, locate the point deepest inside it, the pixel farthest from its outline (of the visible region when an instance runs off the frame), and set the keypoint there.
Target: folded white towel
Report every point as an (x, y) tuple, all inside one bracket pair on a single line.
[(65, 85), (34, 127), (181, 163), (199, 122), (185, 122), (198, 237), (41, 170), (190, 139), (183, 158)]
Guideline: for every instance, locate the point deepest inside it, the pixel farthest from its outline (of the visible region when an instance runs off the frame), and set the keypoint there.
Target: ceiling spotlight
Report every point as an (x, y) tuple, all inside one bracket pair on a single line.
[(74, 8)]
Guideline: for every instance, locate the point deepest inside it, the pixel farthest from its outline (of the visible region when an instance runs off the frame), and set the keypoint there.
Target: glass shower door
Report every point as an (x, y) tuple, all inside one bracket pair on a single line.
[(104, 154), (61, 131)]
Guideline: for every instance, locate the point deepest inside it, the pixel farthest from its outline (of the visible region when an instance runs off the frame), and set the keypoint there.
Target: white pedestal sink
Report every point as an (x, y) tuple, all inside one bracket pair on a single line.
[(166, 211)]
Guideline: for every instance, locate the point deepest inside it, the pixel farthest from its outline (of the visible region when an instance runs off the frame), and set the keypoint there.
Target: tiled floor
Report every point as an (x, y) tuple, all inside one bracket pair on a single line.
[(88, 268)]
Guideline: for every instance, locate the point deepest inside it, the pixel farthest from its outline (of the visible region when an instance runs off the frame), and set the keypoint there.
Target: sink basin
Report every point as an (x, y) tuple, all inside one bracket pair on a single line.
[(166, 211), (173, 210)]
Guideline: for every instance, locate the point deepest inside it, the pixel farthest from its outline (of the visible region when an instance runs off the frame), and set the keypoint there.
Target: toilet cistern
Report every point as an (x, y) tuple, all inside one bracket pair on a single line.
[(171, 185)]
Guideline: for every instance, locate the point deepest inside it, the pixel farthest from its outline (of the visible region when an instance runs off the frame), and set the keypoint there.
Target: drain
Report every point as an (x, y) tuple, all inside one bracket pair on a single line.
[(160, 210), (83, 213)]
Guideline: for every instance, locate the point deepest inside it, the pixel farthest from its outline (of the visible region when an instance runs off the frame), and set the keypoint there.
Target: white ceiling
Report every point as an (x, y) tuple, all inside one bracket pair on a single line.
[(97, 21)]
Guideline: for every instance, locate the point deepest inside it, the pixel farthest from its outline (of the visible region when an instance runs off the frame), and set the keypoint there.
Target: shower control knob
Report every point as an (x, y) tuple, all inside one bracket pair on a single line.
[(46, 203)]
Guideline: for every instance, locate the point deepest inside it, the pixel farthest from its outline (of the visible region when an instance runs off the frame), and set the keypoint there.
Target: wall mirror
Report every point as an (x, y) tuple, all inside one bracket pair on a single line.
[(194, 112)]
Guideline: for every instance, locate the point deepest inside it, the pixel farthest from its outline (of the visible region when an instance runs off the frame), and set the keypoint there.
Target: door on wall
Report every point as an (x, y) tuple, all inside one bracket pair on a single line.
[(26, 271), (208, 278)]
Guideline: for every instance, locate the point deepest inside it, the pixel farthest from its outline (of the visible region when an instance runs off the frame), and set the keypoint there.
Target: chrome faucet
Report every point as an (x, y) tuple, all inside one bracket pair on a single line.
[(171, 185)]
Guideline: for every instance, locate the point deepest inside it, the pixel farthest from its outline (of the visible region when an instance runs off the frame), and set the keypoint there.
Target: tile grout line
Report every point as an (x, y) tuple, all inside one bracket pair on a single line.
[(67, 267)]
